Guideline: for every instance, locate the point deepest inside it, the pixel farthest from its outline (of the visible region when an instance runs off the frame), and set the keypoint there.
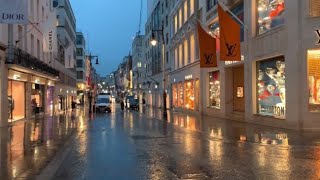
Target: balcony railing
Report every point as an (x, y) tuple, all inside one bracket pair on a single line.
[(26, 60)]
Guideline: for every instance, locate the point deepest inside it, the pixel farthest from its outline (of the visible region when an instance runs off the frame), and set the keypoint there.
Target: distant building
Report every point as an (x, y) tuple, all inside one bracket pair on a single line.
[(81, 68), (138, 64), (66, 33)]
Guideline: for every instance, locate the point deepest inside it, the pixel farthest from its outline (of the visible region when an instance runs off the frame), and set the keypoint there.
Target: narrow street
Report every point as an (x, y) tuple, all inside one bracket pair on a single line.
[(133, 145)]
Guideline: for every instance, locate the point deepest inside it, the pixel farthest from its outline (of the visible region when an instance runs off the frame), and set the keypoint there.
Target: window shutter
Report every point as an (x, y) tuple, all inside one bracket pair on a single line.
[(314, 8)]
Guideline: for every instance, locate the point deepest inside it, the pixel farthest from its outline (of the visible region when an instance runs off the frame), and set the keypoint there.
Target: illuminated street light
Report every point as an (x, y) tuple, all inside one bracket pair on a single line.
[(153, 40)]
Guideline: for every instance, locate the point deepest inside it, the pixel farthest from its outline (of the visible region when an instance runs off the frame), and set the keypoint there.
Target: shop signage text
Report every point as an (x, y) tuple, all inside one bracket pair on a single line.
[(188, 77), (50, 34), (7, 16), (278, 111), (14, 12), (16, 77), (317, 31), (233, 62)]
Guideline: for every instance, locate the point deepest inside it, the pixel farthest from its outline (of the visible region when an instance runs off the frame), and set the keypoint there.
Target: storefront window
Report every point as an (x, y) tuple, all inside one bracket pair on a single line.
[(189, 94), (49, 104), (16, 98), (270, 14), (271, 88), (180, 101), (37, 98), (175, 94), (214, 90), (314, 80), (238, 10)]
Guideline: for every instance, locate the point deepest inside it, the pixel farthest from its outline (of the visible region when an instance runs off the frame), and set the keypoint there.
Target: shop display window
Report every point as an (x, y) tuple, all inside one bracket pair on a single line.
[(49, 103), (270, 14), (189, 94), (175, 94), (16, 98), (214, 90), (180, 95), (37, 98), (314, 80), (271, 88), (238, 10)]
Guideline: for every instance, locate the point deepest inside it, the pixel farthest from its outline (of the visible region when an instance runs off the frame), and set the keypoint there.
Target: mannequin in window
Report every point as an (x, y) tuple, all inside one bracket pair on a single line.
[(276, 14)]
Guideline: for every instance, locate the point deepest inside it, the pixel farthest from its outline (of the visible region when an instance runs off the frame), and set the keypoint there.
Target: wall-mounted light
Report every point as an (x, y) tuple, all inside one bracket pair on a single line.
[(153, 40), (17, 77)]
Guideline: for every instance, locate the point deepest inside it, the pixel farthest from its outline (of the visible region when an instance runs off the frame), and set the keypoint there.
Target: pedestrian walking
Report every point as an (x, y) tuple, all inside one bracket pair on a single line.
[(122, 105)]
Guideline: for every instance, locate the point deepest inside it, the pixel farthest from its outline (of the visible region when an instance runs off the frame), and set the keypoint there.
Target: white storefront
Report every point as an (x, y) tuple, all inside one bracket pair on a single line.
[(280, 72), (186, 88)]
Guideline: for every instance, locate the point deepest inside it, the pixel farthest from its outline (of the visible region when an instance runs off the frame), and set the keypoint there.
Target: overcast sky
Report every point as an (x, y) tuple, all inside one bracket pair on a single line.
[(109, 27)]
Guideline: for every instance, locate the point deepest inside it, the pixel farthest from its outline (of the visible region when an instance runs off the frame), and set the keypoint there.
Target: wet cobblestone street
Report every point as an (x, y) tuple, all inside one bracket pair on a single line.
[(133, 145)]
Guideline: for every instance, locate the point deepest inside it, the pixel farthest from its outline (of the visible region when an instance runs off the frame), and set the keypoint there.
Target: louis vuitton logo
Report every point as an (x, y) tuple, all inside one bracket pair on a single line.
[(318, 34), (209, 59), (231, 49)]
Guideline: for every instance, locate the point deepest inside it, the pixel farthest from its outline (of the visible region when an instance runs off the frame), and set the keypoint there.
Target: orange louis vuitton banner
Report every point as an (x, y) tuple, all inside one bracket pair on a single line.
[(229, 37), (207, 44)]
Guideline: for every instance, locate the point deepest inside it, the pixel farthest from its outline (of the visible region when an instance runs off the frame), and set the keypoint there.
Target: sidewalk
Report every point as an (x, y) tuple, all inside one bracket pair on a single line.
[(28, 146), (233, 131)]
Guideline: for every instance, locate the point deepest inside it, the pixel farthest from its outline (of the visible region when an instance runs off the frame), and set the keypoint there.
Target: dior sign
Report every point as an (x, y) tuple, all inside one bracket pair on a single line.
[(317, 31), (14, 11)]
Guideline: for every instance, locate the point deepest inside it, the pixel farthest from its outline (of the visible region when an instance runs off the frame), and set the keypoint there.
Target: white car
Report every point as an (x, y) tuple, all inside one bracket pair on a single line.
[(103, 103)]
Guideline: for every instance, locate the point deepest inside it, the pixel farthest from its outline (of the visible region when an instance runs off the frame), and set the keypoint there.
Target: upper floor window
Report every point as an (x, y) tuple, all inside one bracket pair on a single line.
[(175, 23), (314, 8), (191, 7), (139, 64), (211, 4), (180, 17), (167, 20), (79, 63), (185, 11), (79, 52), (270, 14)]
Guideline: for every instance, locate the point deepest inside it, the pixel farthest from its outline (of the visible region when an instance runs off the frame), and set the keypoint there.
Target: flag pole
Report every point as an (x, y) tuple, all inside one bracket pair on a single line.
[(226, 8), (205, 28)]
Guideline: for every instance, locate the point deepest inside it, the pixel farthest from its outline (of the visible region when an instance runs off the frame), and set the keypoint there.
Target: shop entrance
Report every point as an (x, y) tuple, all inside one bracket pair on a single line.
[(37, 98), (16, 100), (238, 88)]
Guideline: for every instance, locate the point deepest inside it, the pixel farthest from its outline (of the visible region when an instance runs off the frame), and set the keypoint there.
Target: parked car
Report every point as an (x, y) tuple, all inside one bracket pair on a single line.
[(103, 103), (133, 104), (127, 101)]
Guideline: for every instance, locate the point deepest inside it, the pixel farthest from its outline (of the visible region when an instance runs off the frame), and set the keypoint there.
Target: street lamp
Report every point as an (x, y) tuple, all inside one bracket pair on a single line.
[(153, 40), (154, 43), (91, 57), (90, 93)]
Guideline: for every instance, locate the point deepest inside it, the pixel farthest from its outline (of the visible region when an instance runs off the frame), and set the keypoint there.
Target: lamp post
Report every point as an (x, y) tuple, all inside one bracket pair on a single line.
[(91, 94), (154, 43)]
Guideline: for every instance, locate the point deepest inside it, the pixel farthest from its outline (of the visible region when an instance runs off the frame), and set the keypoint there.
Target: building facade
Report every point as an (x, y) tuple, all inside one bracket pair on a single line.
[(81, 68), (157, 57), (138, 67), (186, 74), (28, 74), (66, 88), (275, 83)]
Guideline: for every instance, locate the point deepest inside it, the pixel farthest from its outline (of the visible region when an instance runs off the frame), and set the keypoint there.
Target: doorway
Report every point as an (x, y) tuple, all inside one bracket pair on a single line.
[(238, 88)]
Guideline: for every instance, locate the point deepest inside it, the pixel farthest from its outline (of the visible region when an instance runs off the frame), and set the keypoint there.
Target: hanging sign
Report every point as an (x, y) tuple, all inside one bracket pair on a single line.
[(14, 11), (50, 35)]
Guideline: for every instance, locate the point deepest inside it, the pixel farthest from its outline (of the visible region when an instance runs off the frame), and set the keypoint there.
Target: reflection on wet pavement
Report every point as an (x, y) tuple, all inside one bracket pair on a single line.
[(140, 145), (28, 146)]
